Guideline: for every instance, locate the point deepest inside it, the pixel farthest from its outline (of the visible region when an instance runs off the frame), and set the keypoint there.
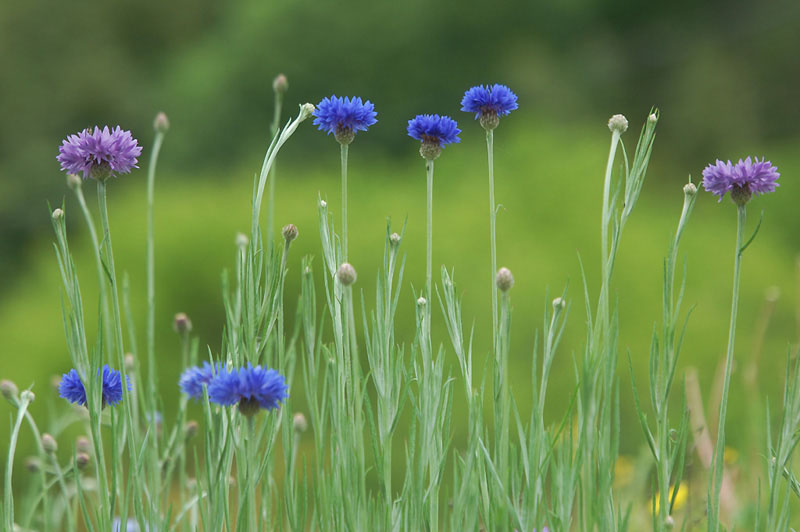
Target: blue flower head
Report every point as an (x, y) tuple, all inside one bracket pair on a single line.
[(71, 387), (489, 103), (249, 387), (193, 379), (435, 132), (344, 116)]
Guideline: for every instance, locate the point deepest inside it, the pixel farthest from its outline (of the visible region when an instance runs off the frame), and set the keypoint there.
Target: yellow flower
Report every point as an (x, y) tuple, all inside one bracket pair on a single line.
[(680, 498)]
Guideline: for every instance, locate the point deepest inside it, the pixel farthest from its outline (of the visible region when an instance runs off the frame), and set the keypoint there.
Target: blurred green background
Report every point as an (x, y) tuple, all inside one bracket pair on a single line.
[(724, 75)]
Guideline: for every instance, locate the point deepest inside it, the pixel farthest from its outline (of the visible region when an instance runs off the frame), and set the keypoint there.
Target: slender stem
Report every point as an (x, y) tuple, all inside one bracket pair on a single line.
[(344, 150), (429, 168), (615, 135), (101, 282), (8, 501), (103, 200), (492, 234), (715, 479), (274, 129), (151, 286)]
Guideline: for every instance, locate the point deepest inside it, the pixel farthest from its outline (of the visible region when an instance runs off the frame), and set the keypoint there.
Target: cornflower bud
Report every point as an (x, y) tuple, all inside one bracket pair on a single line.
[(346, 274), (289, 232), (161, 123), (280, 84), (299, 422), (618, 123), (49, 444), (182, 324), (504, 279)]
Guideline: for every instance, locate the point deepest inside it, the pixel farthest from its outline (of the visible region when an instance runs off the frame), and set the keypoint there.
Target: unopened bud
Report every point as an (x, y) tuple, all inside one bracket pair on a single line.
[(49, 443), (289, 232), (32, 464), (161, 123), (8, 389), (306, 110), (241, 240), (394, 239), (346, 274), (653, 118), (55, 382), (191, 428), (618, 123), (323, 203), (299, 422), (27, 396), (74, 181), (690, 189), (191, 484), (421, 301), (83, 445), (58, 214), (559, 303), (504, 279), (669, 522), (81, 460), (182, 324), (280, 84)]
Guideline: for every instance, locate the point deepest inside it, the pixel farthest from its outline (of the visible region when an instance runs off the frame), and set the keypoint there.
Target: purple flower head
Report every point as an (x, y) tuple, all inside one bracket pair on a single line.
[(489, 102), (100, 153), (249, 387), (193, 379), (344, 116), (742, 180), (71, 387)]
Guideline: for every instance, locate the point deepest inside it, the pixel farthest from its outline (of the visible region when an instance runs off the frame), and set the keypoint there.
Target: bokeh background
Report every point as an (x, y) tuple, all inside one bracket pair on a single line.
[(723, 74)]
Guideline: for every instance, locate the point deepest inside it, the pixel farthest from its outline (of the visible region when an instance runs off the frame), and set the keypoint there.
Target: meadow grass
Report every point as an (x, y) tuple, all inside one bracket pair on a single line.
[(383, 409)]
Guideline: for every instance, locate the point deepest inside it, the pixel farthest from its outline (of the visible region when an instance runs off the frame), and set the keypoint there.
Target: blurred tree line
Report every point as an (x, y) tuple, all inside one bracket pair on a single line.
[(724, 73)]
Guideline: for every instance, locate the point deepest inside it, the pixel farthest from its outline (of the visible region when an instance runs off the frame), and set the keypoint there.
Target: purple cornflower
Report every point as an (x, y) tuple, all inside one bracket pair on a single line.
[(489, 103), (71, 387), (193, 379), (100, 153), (743, 179), (249, 387), (344, 116), (435, 132)]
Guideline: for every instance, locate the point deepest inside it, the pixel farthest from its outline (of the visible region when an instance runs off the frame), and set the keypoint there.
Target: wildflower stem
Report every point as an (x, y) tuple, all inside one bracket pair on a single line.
[(274, 129), (101, 284), (344, 150), (112, 275), (492, 234), (8, 499), (615, 136), (429, 168), (715, 478), (151, 286)]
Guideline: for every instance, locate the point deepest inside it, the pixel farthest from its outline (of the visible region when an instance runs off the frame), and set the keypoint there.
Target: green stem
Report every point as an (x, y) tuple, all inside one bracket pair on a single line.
[(8, 501), (151, 286), (101, 282), (103, 201), (604, 228), (715, 479), (428, 276), (492, 234), (344, 150), (274, 129)]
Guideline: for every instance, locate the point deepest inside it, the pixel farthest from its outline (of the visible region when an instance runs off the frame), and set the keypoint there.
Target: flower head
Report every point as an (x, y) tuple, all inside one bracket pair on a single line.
[(344, 117), (99, 153), (435, 132), (71, 387), (489, 103), (743, 179), (193, 379), (249, 387)]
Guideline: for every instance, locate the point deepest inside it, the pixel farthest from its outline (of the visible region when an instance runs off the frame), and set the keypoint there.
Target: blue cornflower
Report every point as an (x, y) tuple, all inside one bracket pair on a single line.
[(435, 132), (489, 103), (742, 180), (71, 387), (249, 387), (344, 116), (193, 379)]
